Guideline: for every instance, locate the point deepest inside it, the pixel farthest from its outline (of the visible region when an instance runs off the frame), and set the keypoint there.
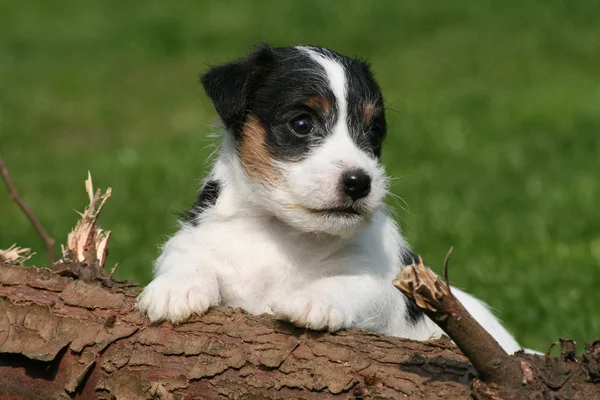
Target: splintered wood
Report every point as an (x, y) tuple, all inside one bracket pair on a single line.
[(15, 255), (424, 287), (87, 243)]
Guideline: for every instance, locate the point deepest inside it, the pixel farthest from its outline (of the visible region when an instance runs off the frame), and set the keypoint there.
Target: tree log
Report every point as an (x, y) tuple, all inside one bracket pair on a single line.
[(63, 338)]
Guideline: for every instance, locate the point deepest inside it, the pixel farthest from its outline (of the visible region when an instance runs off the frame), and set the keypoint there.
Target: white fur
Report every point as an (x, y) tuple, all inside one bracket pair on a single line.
[(260, 248), (337, 82)]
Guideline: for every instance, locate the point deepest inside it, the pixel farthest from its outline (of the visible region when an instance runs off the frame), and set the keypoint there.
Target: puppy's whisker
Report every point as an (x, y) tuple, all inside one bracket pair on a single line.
[(394, 179), (397, 199)]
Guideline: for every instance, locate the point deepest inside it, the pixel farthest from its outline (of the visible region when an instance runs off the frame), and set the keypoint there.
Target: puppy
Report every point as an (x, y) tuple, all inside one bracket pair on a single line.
[(291, 220)]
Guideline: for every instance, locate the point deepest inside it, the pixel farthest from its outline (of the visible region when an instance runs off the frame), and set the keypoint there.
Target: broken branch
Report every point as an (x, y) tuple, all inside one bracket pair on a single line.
[(14, 194), (87, 244), (429, 293)]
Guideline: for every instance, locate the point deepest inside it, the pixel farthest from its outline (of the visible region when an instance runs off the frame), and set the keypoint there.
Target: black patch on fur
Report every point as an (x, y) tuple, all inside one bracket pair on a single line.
[(231, 86), (274, 83), (363, 91), (293, 79), (414, 314), (410, 258), (207, 197)]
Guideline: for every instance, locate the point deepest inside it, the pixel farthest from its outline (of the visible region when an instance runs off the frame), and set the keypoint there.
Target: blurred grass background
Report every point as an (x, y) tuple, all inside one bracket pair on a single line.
[(494, 129)]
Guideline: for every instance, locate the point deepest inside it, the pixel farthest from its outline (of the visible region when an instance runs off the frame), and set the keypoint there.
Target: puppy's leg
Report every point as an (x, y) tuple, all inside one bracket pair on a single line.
[(183, 284), (373, 304), (333, 303)]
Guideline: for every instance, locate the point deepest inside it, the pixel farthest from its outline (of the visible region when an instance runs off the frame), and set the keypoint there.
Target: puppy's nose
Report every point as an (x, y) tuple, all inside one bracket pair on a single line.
[(357, 183)]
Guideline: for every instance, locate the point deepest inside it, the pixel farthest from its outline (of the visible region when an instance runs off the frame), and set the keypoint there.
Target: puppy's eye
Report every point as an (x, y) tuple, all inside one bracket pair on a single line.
[(375, 136), (302, 124)]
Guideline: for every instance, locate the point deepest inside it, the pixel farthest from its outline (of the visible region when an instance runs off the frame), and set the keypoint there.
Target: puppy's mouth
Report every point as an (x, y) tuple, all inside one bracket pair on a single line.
[(344, 212)]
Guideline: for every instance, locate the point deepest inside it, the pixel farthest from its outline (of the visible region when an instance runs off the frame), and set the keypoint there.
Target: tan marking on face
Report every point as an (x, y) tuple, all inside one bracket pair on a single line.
[(254, 154), (320, 104), (368, 113)]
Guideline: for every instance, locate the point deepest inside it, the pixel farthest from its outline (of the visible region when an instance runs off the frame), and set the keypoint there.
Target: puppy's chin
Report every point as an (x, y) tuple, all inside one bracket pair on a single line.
[(335, 223)]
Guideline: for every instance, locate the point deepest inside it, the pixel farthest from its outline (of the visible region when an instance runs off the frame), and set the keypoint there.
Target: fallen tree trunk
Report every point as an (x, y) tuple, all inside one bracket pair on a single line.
[(65, 338)]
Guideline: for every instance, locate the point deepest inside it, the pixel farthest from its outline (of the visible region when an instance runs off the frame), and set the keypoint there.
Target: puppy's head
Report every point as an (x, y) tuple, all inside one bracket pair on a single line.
[(308, 126)]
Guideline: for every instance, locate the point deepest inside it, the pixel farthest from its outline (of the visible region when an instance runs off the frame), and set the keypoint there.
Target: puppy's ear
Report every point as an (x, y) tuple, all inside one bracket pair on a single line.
[(230, 86)]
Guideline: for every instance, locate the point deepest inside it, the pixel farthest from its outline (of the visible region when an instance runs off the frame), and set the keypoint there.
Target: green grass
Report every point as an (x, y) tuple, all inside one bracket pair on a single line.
[(494, 129)]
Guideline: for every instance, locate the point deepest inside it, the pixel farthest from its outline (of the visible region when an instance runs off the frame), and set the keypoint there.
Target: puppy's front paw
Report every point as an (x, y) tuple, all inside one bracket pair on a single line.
[(175, 298), (310, 310)]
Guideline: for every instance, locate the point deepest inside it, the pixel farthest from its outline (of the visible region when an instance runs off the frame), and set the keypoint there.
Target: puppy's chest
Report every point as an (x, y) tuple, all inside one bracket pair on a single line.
[(256, 263)]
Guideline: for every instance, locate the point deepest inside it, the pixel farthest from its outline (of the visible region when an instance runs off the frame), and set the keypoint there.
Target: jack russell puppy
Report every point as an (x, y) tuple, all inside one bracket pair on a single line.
[(291, 220)]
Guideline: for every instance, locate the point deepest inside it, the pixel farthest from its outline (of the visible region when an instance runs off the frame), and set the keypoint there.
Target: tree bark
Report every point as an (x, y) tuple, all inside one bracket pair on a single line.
[(63, 338)]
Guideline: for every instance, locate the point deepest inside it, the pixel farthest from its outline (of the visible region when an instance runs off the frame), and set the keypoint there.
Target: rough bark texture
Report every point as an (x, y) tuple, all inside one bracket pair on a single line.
[(63, 338)]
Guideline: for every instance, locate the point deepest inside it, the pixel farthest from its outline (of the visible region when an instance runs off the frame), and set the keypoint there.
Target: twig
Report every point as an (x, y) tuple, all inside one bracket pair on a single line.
[(429, 293), (14, 194), (113, 270), (446, 260)]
